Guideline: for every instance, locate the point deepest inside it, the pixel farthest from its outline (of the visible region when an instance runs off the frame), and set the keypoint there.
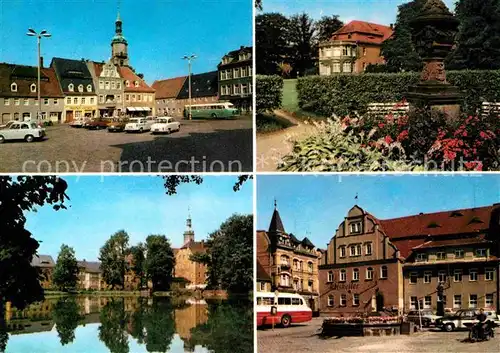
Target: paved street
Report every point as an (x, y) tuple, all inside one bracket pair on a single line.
[(304, 338), (200, 146)]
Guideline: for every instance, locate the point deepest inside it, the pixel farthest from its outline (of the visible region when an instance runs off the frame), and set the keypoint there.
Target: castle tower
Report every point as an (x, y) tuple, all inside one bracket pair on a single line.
[(119, 45), (189, 233)]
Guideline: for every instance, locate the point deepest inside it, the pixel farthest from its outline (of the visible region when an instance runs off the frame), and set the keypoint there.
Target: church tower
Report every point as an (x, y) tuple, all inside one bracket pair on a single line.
[(189, 233), (119, 45)]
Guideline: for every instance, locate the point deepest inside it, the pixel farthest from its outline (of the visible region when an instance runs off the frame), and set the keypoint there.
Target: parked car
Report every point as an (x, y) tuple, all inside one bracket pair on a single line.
[(428, 317), (461, 317), (117, 125), (165, 125), (77, 123), (96, 124), (139, 125), (27, 131)]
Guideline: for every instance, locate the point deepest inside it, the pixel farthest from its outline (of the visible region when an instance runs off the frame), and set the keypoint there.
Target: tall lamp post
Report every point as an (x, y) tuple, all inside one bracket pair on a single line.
[(189, 59), (33, 33)]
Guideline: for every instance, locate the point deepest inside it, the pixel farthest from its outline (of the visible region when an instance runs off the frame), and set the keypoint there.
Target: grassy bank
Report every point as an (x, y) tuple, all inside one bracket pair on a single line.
[(291, 102)]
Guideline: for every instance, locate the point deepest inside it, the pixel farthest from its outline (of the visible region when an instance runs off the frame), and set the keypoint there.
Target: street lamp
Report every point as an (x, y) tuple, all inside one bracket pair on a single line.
[(189, 59), (44, 33)]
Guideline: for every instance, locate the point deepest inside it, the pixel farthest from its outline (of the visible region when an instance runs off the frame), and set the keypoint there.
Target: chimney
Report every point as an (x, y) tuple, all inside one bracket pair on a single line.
[(392, 26), (41, 62)]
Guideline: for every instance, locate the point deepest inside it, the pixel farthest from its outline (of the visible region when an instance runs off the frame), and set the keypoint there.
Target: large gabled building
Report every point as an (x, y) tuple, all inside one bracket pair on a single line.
[(166, 95), (235, 78), (445, 260), (292, 264), (353, 47)]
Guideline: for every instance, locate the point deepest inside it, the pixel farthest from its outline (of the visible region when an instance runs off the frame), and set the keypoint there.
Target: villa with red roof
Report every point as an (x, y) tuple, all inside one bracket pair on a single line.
[(447, 260), (353, 47)]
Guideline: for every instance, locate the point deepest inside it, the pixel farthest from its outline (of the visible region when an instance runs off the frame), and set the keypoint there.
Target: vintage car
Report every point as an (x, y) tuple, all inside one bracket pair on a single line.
[(96, 124), (139, 125), (117, 125), (9, 123), (27, 131), (461, 317), (165, 125), (78, 123), (427, 316)]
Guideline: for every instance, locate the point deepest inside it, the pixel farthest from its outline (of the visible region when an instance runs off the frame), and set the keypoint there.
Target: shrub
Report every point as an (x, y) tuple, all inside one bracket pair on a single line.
[(344, 93), (269, 93)]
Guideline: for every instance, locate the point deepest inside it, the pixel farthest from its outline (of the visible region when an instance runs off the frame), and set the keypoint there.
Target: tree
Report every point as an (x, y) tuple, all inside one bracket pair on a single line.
[(285, 69), (398, 51), (19, 281), (326, 26), (66, 269), (159, 323), (160, 262), (229, 256), (258, 4), (271, 40), (66, 315), (303, 43), (113, 329), (112, 257), (172, 182), (138, 262), (478, 36)]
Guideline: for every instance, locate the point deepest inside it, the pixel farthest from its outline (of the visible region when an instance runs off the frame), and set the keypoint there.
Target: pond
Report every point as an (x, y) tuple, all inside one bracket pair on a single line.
[(128, 325)]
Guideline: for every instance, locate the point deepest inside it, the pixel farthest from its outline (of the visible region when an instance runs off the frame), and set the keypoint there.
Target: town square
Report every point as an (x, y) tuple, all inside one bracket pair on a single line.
[(359, 263), (191, 101)]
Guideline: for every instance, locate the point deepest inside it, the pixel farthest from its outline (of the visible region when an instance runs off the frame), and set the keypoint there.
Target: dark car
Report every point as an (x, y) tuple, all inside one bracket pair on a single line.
[(96, 124), (427, 316), (117, 125)]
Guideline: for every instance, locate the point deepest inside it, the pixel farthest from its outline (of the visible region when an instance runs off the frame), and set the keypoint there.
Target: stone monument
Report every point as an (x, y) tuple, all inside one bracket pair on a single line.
[(433, 36)]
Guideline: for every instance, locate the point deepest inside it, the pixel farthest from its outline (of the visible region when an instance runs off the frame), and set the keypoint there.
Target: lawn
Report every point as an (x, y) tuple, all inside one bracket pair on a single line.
[(290, 102)]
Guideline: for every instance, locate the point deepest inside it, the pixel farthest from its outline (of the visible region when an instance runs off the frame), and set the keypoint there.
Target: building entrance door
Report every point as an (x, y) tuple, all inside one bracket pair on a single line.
[(69, 116)]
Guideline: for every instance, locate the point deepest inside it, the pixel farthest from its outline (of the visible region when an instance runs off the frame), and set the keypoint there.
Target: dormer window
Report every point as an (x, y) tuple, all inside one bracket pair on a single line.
[(136, 83), (89, 88), (32, 88), (80, 88), (456, 214), (13, 87), (421, 257), (433, 225), (355, 228), (71, 87), (127, 83)]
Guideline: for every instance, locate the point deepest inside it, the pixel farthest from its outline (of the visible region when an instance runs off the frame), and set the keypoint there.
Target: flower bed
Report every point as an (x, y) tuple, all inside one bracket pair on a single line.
[(421, 141)]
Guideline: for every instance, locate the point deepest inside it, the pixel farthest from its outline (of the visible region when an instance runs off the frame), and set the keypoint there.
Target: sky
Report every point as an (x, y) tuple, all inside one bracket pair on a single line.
[(314, 206), (377, 11), (101, 206), (159, 33)]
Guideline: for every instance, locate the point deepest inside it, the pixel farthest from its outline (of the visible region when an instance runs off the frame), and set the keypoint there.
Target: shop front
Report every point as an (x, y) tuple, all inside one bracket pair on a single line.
[(138, 111)]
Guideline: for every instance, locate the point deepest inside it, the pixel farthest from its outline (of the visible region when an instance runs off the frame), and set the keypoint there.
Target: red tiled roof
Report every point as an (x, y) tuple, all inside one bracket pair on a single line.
[(24, 77), (262, 275), (452, 242), (127, 74), (169, 88), (366, 32), (98, 68), (195, 246), (400, 230)]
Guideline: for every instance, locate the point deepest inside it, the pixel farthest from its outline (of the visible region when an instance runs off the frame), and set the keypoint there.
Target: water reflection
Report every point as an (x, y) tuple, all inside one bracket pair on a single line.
[(128, 325)]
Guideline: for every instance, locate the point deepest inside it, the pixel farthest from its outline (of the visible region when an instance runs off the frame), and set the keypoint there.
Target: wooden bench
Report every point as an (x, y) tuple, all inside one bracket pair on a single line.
[(384, 109), (488, 108)]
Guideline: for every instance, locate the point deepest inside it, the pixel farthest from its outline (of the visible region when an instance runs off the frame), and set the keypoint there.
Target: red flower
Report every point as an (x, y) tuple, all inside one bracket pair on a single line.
[(388, 140), (478, 166), (403, 135), (450, 155), (381, 125)]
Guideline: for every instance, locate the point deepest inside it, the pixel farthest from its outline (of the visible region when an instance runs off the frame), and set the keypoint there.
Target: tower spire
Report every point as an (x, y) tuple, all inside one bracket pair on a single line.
[(118, 11), (275, 204), (189, 233)]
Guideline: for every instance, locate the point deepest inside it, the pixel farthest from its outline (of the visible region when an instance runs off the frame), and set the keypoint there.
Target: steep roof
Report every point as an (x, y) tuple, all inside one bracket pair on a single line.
[(276, 224), (262, 274), (202, 85), (234, 56), (98, 68), (24, 77), (195, 246), (74, 72), (43, 261), (365, 32), (307, 242), (169, 88), (127, 74), (90, 266), (452, 242)]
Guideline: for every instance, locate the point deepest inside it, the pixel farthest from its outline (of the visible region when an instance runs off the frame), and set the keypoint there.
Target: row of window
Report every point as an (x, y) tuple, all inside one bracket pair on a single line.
[(80, 100), (336, 51), (71, 88), (111, 85), (241, 57), (26, 101), (26, 116), (297, 264), (169, 110), (426, 303), (369, 274), (335, 68), (237, 89), (238, 72), (298, 284), (139, 97), (356, 250), (110, 99), (489, 275), (459, 254), (343, 300)]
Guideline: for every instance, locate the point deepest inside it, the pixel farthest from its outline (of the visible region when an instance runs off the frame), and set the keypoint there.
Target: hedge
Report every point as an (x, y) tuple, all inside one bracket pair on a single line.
[(269, 93), (344, 93)]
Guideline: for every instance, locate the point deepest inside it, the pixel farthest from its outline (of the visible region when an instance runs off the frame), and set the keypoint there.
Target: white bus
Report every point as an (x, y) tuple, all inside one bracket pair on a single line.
[(288, 308)]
